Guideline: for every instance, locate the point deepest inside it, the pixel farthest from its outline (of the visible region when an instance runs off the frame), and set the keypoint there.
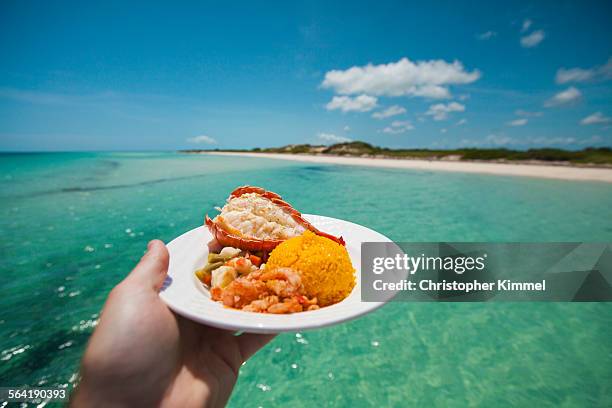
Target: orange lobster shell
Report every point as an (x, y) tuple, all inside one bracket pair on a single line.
[(226, 238)]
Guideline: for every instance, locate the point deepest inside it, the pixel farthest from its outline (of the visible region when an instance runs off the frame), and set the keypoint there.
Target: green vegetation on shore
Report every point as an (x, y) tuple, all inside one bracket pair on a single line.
[(590, 155)]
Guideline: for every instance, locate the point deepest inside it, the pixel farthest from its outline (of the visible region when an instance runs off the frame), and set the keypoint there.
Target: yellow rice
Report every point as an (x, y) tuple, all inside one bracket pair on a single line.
[(324, 265)]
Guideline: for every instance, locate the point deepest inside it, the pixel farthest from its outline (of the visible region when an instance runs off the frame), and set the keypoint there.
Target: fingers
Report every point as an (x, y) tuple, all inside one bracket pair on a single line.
[(152, 268), (251, 343)]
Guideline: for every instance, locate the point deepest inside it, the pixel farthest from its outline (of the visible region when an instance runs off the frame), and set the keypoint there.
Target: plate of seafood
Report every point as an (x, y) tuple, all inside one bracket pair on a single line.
[(260, 266)]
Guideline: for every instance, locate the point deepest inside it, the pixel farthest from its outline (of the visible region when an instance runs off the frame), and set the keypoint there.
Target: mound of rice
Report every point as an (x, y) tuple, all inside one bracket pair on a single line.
[(324, 265)]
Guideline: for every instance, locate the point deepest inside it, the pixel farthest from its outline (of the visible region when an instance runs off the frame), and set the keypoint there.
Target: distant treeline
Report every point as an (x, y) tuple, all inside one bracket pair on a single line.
[(590, 155)]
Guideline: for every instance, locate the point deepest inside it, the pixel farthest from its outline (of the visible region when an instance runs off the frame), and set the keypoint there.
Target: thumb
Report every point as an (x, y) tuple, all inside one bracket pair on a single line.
[(152, 268)]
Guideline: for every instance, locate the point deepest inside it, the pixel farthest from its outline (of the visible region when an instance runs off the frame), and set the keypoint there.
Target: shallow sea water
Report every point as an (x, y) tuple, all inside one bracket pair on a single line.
[(73, 224)]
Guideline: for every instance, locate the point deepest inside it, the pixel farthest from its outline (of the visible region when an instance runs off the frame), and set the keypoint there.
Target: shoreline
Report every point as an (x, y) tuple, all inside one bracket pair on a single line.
[(545, 171)]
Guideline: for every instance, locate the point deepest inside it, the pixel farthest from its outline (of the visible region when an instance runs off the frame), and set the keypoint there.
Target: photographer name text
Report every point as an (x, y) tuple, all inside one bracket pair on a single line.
[(426, 285), (457, 264)]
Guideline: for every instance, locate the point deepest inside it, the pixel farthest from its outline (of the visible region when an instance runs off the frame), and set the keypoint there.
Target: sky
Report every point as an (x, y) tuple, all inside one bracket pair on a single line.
[(447, 74)]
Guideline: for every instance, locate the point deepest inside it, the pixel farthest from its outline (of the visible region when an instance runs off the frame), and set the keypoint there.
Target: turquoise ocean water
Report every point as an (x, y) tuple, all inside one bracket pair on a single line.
[(73, 224)]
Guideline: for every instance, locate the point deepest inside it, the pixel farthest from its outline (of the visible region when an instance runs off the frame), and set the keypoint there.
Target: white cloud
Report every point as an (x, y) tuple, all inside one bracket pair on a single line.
[(390, 111), (402, 123), (595, 118), (202, 139), (331, 138), (526, 24), (573, 75), (591, 140), (52, 98), (461, 122), (498, 140), (398, 126), (597, 73), (487, 35), (493, 139), (428, 79), (551, 141), (361, 103), (570, 95), (444, 130), (503, 140), (347, 128), (517, 122), (440, 111), (533, 39), (36, 97), (527, 114)]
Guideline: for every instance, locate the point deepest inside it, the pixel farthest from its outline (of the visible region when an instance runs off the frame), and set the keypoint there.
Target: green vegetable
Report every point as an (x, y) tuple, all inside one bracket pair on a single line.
[(204, 276), (212, 266), (214, 258)]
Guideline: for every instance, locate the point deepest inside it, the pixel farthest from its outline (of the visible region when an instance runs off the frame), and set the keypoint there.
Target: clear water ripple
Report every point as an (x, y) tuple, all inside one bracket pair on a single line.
[(402, 355)]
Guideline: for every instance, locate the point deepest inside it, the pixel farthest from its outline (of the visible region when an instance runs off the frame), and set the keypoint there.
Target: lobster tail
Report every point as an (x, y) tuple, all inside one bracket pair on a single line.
[(265, 203)]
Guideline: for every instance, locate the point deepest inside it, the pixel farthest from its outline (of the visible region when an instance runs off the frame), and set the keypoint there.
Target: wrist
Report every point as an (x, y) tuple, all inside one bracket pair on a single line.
[(89, 395)]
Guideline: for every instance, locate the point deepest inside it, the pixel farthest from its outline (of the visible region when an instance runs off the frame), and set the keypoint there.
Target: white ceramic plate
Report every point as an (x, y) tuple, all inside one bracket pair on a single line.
[(184, 293)]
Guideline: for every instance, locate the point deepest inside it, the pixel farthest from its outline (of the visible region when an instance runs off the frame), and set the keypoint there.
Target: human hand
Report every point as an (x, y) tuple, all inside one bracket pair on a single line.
[(142, 354)]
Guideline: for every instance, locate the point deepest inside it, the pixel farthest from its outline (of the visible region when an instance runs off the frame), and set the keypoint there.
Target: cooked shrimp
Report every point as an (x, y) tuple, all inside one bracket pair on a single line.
[(284, 282), (276, 290), (241, 264), (287, 274), (289, 305), (241, 292), (261, 305)]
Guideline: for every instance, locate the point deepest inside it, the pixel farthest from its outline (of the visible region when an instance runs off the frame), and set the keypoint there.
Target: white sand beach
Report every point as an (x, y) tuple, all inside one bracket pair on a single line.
[(507, 169)]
